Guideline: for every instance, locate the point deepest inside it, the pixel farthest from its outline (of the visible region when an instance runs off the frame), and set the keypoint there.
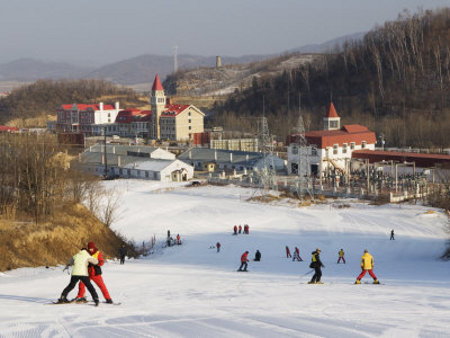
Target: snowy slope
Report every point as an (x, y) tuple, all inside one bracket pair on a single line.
[(193, 291)]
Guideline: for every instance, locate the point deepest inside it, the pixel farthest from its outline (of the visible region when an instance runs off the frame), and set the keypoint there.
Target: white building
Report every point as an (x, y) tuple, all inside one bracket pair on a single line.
[(331, 149), (89, 119)]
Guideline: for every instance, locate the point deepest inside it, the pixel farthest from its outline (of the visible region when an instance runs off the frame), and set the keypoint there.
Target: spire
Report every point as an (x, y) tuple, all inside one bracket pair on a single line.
[(332, 111), (157, 84)]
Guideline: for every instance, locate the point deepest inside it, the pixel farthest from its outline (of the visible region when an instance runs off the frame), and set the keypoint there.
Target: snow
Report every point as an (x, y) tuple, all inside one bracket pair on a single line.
[(192, 291)]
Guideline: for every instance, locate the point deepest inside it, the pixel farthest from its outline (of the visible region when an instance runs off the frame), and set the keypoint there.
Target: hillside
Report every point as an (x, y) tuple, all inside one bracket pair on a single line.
[(395, 81), (194, 291), (214, 81), (25, 244)]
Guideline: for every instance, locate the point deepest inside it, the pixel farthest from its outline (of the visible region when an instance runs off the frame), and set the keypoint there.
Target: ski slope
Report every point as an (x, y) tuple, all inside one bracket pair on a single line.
[(192, 291)]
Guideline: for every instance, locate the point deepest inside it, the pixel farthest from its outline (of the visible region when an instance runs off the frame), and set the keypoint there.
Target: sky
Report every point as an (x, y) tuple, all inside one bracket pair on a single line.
[(103, 31)]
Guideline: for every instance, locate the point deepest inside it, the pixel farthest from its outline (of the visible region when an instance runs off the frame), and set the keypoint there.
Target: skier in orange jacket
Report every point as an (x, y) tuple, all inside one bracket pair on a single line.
[(244, 260)]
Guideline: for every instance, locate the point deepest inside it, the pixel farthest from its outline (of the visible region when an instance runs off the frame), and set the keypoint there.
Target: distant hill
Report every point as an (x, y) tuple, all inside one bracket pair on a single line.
[(32, 70), (137, 72)]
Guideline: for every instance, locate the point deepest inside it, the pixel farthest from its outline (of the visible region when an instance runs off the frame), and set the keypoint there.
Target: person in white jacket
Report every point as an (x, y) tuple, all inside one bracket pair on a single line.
[(80, 264)]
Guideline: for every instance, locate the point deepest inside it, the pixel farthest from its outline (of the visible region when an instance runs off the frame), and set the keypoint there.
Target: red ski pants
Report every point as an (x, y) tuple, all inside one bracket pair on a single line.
[(364, 272), (340, 259), (97, 280)]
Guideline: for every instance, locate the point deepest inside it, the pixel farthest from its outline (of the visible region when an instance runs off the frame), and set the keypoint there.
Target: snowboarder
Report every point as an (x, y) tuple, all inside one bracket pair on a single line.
[(288, 252), (341, 256), (244, 260), (297, 255), (257, 256), (392, 235), (367, 265), (122, 253), (317, 265), (235, 230), (240, 228), (218, 246), (178, 239), (95, 274), (80, 264)]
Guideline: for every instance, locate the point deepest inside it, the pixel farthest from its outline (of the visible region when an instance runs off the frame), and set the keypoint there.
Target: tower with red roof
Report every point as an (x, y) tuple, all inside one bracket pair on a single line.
[(332, 121), (157, 104)]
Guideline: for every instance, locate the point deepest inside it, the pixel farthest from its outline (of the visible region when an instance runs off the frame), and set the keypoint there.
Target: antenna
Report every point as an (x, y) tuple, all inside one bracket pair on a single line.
[(175, 59)]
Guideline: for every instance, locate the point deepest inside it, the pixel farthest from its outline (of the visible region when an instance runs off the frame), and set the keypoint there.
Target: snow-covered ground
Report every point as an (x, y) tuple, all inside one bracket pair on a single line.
[(193, 291)]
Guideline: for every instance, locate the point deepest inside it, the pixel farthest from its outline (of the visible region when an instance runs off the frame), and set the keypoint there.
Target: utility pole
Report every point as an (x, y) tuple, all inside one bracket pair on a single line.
[(106, 151)]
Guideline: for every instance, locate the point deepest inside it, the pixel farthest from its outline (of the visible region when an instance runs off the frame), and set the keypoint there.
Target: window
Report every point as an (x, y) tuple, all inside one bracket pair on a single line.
[(333, 124), (189, 120), (314, 151), (363, 144), (189, 113), (352, 145), (335, 149), (294, 149), (344, 148), (190, 127)]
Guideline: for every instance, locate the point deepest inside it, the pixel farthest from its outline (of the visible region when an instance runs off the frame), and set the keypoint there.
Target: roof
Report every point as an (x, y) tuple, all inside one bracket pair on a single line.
[(332, 111), (120, 149), (347, 134), (6, 128), (223, 156), (157, 84), (133, 114), (82, 107), (150, 164), (174, 109), (421, 159)]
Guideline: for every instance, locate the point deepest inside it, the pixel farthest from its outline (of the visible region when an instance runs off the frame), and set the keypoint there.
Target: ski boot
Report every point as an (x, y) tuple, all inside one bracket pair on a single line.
[(376, 281), (109, 301), (319, 282), (358, 281), (63, 299), (96, 302), (80, 300), (311, 282)]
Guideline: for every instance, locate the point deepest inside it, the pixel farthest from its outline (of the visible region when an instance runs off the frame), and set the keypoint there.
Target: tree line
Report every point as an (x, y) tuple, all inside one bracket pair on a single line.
[(44, 96), (395, 81)]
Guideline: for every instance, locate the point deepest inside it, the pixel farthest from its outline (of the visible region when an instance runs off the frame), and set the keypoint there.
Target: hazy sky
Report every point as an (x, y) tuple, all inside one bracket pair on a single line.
[(103, 31)]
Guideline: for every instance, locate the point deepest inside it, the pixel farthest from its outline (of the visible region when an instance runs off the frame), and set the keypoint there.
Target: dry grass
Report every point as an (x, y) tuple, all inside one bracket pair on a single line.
[(25, 244)]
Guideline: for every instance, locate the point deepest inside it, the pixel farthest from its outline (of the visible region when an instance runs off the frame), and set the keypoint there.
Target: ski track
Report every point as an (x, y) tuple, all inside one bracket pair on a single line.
[(193, 291)]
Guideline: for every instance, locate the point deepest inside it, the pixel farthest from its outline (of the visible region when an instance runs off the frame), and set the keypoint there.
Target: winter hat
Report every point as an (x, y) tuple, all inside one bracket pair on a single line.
[(91, 245), (318, 250)]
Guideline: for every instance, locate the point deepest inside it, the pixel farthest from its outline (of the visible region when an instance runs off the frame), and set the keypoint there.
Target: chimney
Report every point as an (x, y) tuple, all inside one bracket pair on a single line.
[(215, 155), (231, 157), (169, 100), (190, 154), (100, 105), (116, 105), (114, 149), (118, 161), (103, 159), (247, 157)]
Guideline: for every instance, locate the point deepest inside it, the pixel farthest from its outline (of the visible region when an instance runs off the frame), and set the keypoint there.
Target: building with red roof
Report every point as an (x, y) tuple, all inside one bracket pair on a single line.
[(171, 121), (330, 149), (89, 119)]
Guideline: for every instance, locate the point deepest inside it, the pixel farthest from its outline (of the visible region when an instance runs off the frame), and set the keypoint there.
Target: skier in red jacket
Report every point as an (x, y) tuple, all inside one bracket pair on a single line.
[(240, 228), (297, 255), (95, 274), (288, 252), (244, 260), (235, 230)]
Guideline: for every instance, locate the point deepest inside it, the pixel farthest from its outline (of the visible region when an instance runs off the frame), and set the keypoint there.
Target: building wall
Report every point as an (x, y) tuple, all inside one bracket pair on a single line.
[(189, 122)]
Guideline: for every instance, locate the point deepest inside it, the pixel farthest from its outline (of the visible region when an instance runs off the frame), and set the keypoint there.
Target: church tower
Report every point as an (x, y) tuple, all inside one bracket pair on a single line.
[(332, 121), (157, 104)]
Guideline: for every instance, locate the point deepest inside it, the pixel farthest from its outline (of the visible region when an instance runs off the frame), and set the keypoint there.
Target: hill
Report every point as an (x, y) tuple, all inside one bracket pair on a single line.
[(395, 81), (191, 290)]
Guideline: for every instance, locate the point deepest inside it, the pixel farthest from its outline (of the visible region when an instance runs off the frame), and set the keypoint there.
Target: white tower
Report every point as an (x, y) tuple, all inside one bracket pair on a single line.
[(157, 104)]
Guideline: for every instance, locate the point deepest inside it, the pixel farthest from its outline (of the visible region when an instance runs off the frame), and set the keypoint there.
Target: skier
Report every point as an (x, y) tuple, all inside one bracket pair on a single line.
[(178, 239), (297, 255), (288, 252), (367, 265), (317, 265), (246, 229), (218, 246), (392, 235), (95, 274), (257, 256), (235, 230), (122, 253), (240, 228), (80, 264), (244, 260), (341, 256)]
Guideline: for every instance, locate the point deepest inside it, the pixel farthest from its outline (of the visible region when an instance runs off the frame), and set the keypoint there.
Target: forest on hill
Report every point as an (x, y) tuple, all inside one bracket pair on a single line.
[(45, 96), (396, 81)]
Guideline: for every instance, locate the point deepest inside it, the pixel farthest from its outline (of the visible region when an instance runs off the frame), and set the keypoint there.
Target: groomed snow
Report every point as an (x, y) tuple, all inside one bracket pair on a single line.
[(193, 291)]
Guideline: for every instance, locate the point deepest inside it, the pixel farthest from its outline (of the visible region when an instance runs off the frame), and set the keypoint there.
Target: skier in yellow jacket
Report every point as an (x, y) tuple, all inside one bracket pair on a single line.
[(367, 265)]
